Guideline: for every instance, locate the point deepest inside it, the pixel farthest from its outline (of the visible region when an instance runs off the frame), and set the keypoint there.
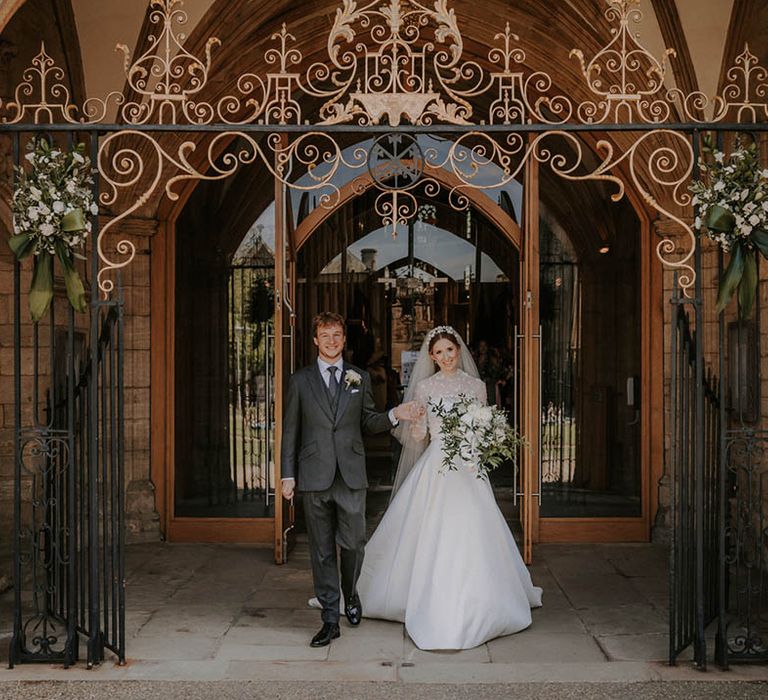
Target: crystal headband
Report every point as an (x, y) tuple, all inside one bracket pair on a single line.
[(441, 329)]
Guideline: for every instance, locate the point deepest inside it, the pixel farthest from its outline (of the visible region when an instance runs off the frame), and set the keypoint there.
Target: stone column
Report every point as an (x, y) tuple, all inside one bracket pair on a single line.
[(142, 519)]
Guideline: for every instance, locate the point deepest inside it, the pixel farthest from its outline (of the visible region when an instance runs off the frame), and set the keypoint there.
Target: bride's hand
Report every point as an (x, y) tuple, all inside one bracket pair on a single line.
[(407, 411)]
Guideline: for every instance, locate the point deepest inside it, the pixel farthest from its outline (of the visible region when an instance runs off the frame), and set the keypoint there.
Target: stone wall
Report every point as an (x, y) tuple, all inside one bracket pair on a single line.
[(142, 521)]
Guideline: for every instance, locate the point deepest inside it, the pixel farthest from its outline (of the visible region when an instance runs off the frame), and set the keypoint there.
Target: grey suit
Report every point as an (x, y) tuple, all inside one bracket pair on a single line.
[(323, 450)]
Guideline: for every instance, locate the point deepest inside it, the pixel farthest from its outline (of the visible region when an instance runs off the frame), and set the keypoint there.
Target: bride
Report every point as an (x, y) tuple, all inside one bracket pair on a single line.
[(443, 560)]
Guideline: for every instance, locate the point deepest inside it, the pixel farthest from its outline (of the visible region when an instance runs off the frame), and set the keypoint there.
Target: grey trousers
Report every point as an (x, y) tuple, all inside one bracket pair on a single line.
[(335, 515)]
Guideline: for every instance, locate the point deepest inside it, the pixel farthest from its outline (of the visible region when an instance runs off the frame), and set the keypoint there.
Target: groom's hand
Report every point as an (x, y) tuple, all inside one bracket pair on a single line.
[(288, 487)]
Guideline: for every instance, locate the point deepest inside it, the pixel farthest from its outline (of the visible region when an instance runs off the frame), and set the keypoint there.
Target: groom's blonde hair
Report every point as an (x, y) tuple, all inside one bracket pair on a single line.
[(328, 318)]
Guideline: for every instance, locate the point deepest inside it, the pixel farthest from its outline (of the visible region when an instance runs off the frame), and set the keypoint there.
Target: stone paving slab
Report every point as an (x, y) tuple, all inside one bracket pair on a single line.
[(337, 671), (278, 636), (351, 647), (634, 618), (545, 646), (191, 647), (596, 590), (414, 655), (271, 652), (557, 621), (636, 647)]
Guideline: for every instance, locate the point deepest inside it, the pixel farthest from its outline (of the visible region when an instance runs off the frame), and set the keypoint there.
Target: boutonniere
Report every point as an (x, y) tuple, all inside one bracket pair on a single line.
[(352, 378)]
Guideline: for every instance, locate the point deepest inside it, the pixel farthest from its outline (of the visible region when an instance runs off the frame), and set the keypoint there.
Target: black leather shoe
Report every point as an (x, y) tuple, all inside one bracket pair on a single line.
[(329, 631), (354, 610)]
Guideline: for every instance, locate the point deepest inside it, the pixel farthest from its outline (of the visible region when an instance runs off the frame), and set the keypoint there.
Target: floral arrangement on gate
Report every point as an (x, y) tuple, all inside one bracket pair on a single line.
[(475, 437), (51, 204), (733, 210)]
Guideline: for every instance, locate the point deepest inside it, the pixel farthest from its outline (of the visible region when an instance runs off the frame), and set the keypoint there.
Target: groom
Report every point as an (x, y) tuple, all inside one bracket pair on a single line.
[(329, 403)]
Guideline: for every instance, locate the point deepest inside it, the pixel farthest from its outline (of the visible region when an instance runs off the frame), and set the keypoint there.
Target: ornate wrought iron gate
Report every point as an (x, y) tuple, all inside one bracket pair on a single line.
[(717, 479), (694, 484), (742, 552), (69, 450), (69, 524)]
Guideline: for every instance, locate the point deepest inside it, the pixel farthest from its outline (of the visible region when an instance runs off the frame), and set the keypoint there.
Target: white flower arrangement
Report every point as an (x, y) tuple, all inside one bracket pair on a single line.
[(352, 378), (475, 437), (52, 201), (732, 197)]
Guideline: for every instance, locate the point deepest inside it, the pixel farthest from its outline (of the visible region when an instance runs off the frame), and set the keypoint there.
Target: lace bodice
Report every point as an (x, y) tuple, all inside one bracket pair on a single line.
[(448, 388)]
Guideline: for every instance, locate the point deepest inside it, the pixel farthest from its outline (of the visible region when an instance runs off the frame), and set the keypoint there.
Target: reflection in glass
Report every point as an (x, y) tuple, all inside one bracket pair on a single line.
[(225, 376), (590, 425)]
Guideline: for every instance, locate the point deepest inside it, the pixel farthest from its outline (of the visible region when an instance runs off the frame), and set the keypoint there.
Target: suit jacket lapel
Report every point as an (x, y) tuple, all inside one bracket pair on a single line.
[(320, 391), (346, 392)]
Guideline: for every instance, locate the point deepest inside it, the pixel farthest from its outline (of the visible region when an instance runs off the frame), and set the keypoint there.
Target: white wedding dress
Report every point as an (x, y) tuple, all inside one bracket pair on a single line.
[(443, 560)]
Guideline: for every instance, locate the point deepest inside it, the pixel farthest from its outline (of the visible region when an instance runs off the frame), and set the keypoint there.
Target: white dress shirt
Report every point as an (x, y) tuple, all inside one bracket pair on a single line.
[(326, 375)]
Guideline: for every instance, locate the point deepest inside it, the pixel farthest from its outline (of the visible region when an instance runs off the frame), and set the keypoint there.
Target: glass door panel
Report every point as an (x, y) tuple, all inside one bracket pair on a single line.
[(225, 369), (591, 339)]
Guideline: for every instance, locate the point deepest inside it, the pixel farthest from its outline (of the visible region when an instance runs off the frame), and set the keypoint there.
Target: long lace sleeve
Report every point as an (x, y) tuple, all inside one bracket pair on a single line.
[(479, 391), (419, 427)]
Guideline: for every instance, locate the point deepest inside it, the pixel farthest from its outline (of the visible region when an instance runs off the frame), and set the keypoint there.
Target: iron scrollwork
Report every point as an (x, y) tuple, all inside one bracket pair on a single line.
[(745, 636)]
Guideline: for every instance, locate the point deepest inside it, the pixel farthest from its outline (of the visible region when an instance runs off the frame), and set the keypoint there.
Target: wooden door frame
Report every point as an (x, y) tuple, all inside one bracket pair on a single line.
[(262, 531), (530, 353), (631, 529), (258, 531)]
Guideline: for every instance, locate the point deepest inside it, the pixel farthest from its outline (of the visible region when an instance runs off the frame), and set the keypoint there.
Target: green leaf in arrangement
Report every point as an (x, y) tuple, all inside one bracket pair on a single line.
[(75, 290), (731, 278), (720, 219), (748, 285), (21, 244), (41, 290), (72, 281), (73, 220), (760, 239)]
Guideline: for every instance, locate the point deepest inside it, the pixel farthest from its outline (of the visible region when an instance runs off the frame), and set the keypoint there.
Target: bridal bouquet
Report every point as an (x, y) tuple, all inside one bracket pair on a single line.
[(475, 437), (52, 203)]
